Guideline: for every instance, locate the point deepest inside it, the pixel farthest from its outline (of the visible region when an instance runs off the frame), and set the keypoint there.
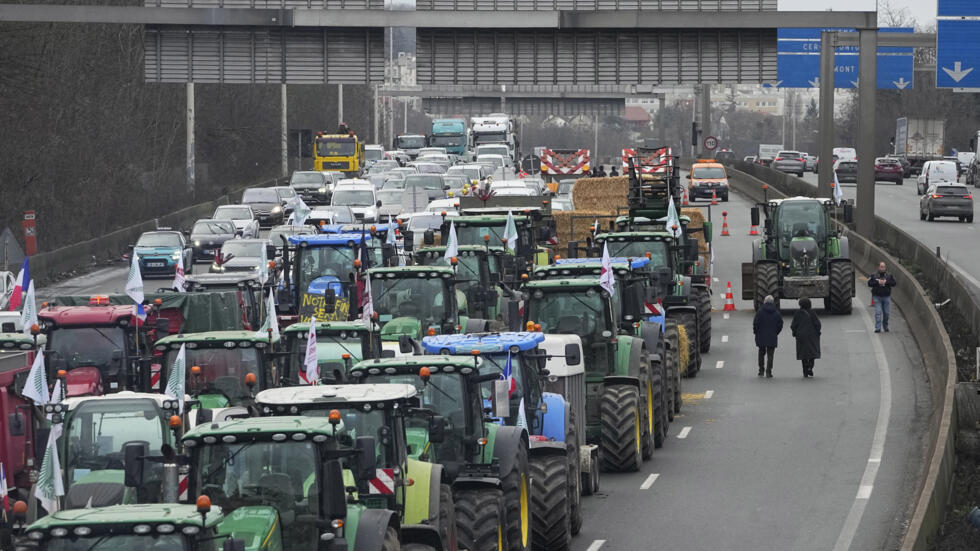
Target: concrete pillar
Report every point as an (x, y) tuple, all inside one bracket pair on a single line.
[(190, 138), (867, 92), (826, 135), (284, 133), (705, 116), (340, 103)]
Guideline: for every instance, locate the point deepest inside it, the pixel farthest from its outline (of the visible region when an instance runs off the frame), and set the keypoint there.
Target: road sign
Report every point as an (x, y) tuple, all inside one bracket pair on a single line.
[(958, 8), (958, 51), (798, 62), (711, 143)]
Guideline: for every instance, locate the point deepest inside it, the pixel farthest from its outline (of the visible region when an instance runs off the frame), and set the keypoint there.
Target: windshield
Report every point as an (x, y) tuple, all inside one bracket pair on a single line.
[(260, 195), (409, 142), (158, 240), (306, 178), (801, 219), (495, 160), (709, 172), (336, 261), (286, 192), (576, 311), (389, 196), (448, 141), (223, 371), (490, 137), (373, 154), (455, 182), (98, 429), (242, 248), (471, 172), (473, 234), (427, 182), (233, 213), (353, 198), (638, 249), (88, 346), (213, 228), (412, 297), (335, 147), (124, 542)]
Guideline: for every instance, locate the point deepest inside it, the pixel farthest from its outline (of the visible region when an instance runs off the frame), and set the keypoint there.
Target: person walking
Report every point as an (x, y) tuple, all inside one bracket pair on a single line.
[(767, 325), (881, 284), (806, 329)]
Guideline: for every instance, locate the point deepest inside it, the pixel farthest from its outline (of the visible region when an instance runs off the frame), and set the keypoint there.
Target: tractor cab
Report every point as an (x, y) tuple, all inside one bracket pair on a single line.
[(339, 345), (479, 274), (413, 301), (246, 286)]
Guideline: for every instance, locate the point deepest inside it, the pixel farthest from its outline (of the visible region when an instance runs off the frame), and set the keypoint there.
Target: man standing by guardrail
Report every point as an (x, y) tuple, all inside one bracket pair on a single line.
[(881, 284)]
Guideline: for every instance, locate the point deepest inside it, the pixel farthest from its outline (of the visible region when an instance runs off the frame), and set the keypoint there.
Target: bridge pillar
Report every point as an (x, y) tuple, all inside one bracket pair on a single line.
[(190, 137), (867, 95), (826, 137)]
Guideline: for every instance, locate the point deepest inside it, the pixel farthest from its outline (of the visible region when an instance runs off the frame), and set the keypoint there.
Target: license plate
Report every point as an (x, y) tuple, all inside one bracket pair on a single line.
[(154, 264)]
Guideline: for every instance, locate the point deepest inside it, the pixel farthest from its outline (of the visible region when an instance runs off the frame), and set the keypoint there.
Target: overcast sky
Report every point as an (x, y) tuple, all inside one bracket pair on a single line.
[(924, 11)]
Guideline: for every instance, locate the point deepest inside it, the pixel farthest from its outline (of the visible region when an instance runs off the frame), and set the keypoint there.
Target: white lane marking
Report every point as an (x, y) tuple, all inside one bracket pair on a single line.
[(727, 315), (853, 519), (724, 338), (720, 364), (596, 545), (715, 279), (683, 433), (708, 394), (649, 481)]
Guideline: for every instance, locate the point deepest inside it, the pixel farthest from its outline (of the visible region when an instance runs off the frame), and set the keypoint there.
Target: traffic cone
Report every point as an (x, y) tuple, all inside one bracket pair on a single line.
[(714, 198), (724, 224), (729, 299), (684, 202), (753, 231)]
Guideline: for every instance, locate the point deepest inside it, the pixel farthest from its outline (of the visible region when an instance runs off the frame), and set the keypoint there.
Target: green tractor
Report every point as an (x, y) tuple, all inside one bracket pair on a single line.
[(489, 229), (800, 254), (479, 275), (486, 463), (417, 490), (626, 399), (339, 345)]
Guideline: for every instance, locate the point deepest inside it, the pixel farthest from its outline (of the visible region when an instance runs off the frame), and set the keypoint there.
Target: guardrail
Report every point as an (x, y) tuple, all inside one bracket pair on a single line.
[(49, 265), (925, 325)]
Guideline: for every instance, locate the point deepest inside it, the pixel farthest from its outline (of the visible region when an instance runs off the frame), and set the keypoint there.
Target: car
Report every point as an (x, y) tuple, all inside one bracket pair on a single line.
[(431, 151), (847, 171), (331, 214), (889, 170), (244, 255), (708, 179), (373, 153), (403, 171), (474, 172), (947, 199), (934, 172), (358, 194), (959, 165), (399, 156), (433, 184), (312, 186), (242, 216), (207, 236), (157, 253), (390, 202), (809, 162), (725, 155), (393, 183), (288, 198), (495, 149), (456, 183), (906, 165), (497, 186), (441, 160), (789, 161), (429, 168), (382, 166), (266, 205), (845, 153), (539, 186), (449, 206)]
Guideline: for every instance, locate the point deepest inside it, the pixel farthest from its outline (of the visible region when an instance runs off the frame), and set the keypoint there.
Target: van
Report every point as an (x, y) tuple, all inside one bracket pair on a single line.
[(933, 172)]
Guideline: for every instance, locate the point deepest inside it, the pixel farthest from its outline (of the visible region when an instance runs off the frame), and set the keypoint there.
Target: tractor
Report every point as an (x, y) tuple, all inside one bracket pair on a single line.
[(800, 254), (340, 344)]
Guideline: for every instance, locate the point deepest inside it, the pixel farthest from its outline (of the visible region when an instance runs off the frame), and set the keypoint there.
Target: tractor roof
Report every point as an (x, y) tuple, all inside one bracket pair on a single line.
[(430, 271), (158, 399), (487, 219), (126, 515), (414, 363), (214, 339), (247, 279), (261, 428), (801, 199), (347, 229), (616, 261), (563, 283), (328, 326), (484, 342), (649, 235), (327, 395), (16, 341), (87, 315), (329, 240), (464, 249)]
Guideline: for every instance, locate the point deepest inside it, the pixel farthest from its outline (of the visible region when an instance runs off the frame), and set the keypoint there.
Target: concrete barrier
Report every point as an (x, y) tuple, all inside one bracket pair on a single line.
[(925, 325), (51, 265)]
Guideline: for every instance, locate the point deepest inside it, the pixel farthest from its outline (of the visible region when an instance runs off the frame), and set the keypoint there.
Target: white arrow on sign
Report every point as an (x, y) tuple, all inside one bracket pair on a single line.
[(901, 83), (774, 84), (958, 73), (855, 82), (815, 82)]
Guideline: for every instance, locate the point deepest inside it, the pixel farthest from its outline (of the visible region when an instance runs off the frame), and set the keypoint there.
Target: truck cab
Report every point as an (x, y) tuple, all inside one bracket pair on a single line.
[(338, 153), (450, 134)]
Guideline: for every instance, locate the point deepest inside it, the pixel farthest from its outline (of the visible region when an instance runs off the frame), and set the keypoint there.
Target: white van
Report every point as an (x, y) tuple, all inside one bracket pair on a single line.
[(845, 154), (933, 172)]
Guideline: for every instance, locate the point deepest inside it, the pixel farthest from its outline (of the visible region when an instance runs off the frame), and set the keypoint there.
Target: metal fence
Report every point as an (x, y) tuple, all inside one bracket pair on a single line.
[(595, 5)]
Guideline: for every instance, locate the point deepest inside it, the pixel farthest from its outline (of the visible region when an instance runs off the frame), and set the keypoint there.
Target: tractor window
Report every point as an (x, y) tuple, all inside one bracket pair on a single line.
[(330, 349), (223, 371), (356, 422), (569, 311), (88, 346), (334, 262), (659, 252), (473, 234), (119, 542), (801, 219), (422, 298), (526, 387)]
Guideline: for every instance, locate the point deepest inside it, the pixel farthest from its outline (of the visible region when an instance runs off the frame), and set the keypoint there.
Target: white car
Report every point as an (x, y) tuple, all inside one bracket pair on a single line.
[(359, 195), (499, 185), (934, 172), (244, 255), (242, 216), (450, 206), (432, 151)]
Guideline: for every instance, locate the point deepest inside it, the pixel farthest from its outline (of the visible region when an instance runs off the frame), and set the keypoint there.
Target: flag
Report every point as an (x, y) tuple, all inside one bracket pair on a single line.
[(36, 386), (179, 275), (510, 232), (672, 219), (134, 287), (264, 268), (390, 237), (28, 316), (367, 301), (607, 279), (521, 416), (363, 253), (595, 227), (838, 192), (300, 213), (508, 375), (49, 483), (311, 373), (655, 314), (452, 244), (23, 279), (270, 320), (4, 490), (177, 380)]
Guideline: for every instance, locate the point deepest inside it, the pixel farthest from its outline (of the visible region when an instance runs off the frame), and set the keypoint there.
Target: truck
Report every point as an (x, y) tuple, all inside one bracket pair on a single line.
[(449, 133), (339, 153), (17, 447), (919, 140), (495, 128), (561, 163), (768, 152), (410, 144)]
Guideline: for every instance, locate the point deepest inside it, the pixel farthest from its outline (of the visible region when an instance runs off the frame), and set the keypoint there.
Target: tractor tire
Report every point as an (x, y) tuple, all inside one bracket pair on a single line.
[(649, 401), (391, 542), (704, 311), (551, 510), (574, 474), (619, 414), (841, 287), (447, 518), (480, 519), (517, 502), (766, 283), (672, 357), (661, 408)]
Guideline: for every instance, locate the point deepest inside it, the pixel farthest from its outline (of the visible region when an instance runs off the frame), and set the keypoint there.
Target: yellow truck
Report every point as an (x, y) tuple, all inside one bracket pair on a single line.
[(338, 153)]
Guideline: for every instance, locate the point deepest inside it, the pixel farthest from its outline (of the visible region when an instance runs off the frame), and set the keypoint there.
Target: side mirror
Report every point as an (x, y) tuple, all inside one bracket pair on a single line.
[(573, 354), (271, 251), (329, 300), (754, 214), (367, 461), (387, 253), (333, 500), (495, 278), (848, 213), (378, 204), (162, 326), (15, 424), (445, 187), (405, 345), (429, 237), (133, 454), (437, 429), (500, 399), (573, 249), (688, 175)]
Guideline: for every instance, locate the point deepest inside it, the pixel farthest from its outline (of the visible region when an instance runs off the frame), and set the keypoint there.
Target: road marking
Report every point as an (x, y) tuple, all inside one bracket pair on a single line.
[(724, 338), (720, 364), (649, 481), (683, 433), (715, 279), (853, 519), (596, 545), (727, 316), (708, 394)]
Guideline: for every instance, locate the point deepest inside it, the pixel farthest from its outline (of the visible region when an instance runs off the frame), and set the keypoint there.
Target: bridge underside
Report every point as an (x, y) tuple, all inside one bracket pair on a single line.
[(567, 107)]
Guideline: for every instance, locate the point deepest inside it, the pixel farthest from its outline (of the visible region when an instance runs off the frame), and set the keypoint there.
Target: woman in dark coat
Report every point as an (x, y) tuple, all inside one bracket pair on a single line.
[(806, 329), (767, 325)]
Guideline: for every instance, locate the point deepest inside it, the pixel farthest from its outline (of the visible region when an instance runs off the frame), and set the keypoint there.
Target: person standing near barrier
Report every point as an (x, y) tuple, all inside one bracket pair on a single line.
[(881, 284), (806, 329), (767, 325)]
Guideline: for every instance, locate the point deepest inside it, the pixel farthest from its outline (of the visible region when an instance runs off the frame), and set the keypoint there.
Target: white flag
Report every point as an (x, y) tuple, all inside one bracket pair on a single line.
[(311, 373), (264, 268), (134, 282), (36, 386), (607, 279), (50, 485), (28, 316), (452, 244), (270, 320), (390, 237), (595, 227), (300, 213), (177, 380), (838, 192), (367, 301), (521, 416), (510, 232), (179, 275), (672, 219)]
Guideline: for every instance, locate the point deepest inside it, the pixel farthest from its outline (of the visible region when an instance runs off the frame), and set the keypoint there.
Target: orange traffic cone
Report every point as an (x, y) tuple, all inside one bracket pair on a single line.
[(714, 198), (684, 202), (724, 224), (729, 299), (753, 231)]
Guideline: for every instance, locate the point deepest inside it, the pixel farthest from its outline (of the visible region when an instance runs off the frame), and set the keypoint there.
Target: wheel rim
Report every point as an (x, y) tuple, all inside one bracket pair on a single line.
[(639, 449), (524, 510), (649, 408), (500, 536)]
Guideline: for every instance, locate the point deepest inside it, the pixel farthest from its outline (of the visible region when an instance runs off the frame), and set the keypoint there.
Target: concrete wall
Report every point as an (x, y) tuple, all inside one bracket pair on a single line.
[(925, 324)]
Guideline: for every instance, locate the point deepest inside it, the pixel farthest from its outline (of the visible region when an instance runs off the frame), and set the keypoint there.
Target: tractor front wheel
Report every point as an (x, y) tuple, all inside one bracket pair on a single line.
[(766, 283), (704, 317), (841, 287), (672, 359), (517, 498), (619, 414), (550, 504), (480, 519)]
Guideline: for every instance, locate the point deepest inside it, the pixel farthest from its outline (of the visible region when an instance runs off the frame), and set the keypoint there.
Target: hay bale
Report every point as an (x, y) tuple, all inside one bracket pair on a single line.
[(601, 194), (583, 225), (683, 344)]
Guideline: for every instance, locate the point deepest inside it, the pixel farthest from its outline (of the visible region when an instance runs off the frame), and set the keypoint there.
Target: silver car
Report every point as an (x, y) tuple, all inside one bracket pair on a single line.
[(947, 199), (790, 161)]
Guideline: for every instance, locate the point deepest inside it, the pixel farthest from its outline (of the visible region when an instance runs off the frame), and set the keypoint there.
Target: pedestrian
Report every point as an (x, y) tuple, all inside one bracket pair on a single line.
[(613, 171), (602, 171), (881, 284), (806, 329), (767, 325)]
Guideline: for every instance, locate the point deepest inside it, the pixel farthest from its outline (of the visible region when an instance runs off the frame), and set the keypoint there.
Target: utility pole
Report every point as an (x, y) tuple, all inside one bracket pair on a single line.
[(284, 133), (705, 114), (826, 136), (374, 135), (190, 138), (340, 103), (794, 98)]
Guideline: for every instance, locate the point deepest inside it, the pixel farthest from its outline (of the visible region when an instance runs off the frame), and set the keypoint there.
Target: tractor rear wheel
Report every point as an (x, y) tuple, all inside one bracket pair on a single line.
[(672, 359), (661, 420), (480, 519), (704, 316), (447, 517), (619, 414), (517, 500), (574, 473), (841, 287), (550, 505), (766, 283), (391, 542)]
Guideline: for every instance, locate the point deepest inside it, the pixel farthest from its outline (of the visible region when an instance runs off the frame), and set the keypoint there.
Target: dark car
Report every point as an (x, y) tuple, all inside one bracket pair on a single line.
[(947, 199), (208, 236), (313, 187), (847, 171), (906, 165), (725, 155), (888, 169), (266, 205)]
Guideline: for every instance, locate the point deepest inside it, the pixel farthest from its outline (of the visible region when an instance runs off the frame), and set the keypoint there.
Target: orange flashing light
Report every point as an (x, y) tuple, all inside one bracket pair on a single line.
[(431, 332), (62, 374), (334, 417), (195, 370), (345, 356), (250, 379), (175, 421), (203, 504), (424, 373)]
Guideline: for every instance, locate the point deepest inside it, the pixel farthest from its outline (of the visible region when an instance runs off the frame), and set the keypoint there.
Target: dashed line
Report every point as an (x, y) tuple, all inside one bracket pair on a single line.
[(724, 338), (720, 364), (649, 481), (683, 433), (727, 315), (715, 279), (864, 491), (596, 545), (708, 394)]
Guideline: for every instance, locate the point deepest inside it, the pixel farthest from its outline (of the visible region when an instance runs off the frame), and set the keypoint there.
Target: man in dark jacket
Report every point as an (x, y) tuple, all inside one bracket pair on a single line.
[(881, 284), (806, 329), (767, 325)]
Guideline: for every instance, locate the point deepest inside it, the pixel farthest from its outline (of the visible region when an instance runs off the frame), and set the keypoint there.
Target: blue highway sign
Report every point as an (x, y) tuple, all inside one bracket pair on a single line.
[(958, 44), (798, 62), (959, 8)]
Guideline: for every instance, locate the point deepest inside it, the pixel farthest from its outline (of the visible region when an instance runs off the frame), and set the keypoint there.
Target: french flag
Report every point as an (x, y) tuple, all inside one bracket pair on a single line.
[(23, 278), (508, 375)]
